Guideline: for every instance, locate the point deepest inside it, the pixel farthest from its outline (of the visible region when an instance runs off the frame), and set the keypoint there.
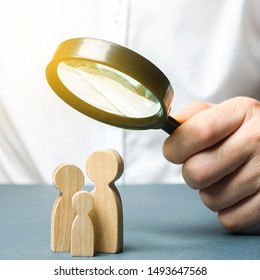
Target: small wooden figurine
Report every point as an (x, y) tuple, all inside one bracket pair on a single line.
[(104, 167), (68, 179), (82, 232)]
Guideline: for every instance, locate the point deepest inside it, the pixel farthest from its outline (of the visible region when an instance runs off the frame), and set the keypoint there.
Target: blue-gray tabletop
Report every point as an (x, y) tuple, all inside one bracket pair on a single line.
[(160, 222)]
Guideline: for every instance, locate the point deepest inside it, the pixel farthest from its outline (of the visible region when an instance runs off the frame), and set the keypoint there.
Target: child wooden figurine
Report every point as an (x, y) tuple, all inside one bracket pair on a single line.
[(82, 232)]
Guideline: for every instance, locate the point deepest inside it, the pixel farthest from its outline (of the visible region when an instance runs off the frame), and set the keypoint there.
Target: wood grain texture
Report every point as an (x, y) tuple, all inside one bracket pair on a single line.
[(104, 167), (68, 179)]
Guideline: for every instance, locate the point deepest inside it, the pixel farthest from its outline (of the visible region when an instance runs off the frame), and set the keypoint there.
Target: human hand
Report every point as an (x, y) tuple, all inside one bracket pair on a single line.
[(219, 147)]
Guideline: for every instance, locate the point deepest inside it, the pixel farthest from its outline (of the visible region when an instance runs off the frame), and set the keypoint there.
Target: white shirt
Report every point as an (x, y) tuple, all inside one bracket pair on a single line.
[(209, 50)]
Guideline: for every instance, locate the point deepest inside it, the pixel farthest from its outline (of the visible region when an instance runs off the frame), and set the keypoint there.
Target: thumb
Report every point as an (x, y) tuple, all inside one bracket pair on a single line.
[(190, 110)]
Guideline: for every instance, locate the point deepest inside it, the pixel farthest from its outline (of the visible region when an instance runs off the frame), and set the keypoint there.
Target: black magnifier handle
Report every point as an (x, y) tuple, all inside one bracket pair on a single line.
[(170, 125)]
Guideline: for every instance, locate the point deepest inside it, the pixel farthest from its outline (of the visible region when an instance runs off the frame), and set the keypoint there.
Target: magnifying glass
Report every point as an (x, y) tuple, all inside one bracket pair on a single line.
[(112, 84)]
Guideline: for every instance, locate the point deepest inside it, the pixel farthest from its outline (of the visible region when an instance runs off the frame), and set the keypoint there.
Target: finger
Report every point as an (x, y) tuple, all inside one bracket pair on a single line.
[(233, 188), (204, 130), (190, 110), (212, 165), (242, 215)]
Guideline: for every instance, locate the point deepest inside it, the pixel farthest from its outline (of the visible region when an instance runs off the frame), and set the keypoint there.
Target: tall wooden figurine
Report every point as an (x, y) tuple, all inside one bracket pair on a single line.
[(104, 167)]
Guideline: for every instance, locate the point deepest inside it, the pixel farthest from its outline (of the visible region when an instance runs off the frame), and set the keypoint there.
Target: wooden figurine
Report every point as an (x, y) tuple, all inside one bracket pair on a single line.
[(82, 232), (68, 179), (104, 167)]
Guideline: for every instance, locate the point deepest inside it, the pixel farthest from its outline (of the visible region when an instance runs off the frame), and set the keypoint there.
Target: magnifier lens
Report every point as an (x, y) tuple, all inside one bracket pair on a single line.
[(111, 84), (108, 89)]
